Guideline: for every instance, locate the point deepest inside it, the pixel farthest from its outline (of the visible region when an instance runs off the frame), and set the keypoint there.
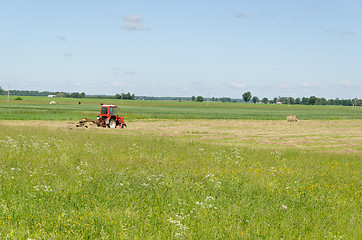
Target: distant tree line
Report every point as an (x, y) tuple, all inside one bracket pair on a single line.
[(127, 96), (65, 94), (163, 98), (43, 93), (214, 99), (26, 93), (246, 97), (197, 99), (312, 100)]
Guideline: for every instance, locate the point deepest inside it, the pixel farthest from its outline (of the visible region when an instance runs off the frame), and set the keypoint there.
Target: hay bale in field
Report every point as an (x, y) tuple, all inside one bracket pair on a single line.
[(53, 102), (292, 118)]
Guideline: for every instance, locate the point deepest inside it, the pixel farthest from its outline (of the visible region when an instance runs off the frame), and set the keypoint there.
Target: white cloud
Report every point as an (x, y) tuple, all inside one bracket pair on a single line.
[(261, 15), (307, 84), (116, 84), (68, 54), (129, 72), (242, 15), (61, 38), (339, 32), (285, 85), (133, 23), (345, 83), (186, 89), (237, 85)]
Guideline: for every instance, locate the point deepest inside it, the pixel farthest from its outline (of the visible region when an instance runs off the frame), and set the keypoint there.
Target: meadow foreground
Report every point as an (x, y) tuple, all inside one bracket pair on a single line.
[(195, 179)]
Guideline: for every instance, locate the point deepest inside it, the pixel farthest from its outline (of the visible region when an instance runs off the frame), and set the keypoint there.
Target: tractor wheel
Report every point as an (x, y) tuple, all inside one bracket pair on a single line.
[(112, 123)]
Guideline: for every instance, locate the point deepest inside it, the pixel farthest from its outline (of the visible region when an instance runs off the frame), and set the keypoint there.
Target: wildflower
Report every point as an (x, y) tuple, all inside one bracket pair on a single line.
[(209, 198), (284, 207)]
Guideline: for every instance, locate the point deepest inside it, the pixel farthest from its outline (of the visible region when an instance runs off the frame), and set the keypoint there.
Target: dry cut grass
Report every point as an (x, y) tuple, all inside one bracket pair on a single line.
[(327, 135)]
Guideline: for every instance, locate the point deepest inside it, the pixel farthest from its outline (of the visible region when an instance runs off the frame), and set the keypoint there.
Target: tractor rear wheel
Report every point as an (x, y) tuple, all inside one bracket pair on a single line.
[(112, 123)]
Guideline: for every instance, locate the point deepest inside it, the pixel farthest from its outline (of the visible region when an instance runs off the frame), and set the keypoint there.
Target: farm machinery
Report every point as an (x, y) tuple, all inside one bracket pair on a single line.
[(108, 117)]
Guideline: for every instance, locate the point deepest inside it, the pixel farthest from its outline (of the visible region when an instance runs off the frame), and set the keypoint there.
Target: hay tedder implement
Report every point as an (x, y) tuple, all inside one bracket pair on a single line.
[(108, 117)]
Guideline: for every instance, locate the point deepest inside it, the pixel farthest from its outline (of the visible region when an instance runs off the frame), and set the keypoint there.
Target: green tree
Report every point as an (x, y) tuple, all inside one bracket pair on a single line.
[(193, 98), (322, 101), (255, 99), (117, 96), (291, 100), (305, 101), (82, 95), (312, 100), (265, 100), (331, 102), (1, 90), (199, 99), (284, 100), (347, 102), (246, 96), (75, 95), (225, 99), (128, 96)]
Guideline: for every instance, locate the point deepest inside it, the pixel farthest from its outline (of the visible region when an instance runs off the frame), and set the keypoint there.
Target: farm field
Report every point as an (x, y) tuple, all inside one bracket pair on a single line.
[(38, 108), (175, 178)]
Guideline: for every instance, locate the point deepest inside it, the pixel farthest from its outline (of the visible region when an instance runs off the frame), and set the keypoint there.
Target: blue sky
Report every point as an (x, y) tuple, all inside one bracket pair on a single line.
[(183, 48)]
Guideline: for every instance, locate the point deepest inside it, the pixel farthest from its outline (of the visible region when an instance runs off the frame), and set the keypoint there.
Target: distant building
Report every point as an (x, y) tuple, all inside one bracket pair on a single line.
[(279, 103), (51, 95)]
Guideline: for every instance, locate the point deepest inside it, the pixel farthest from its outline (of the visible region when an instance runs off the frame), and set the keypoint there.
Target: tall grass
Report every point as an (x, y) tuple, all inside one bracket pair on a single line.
[(64, 184)]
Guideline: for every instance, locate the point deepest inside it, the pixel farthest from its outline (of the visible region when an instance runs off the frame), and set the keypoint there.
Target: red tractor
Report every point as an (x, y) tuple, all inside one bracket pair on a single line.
[(108, 117)]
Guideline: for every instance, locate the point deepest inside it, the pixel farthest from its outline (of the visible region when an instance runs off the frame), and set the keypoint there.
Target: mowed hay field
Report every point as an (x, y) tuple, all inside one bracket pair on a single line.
[(165, 178)]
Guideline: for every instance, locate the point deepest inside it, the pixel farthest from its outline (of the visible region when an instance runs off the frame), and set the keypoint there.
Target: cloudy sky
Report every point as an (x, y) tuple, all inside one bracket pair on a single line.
[(183, 48)]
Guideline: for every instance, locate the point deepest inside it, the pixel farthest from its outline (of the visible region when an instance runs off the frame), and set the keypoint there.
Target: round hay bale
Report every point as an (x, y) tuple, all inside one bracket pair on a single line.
[(292, 118)]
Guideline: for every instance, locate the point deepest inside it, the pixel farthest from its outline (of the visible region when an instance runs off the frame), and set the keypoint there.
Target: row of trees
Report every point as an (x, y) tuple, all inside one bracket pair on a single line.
[(213, 99), (312, 100), (197, 99), (125, 96), (247, 97), (44, 93), (70, 95), (26, 93), (66, 94)]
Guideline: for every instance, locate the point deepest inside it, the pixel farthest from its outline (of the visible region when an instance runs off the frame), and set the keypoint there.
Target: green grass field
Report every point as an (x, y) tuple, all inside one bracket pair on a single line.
[(38, 108), (68, 183)]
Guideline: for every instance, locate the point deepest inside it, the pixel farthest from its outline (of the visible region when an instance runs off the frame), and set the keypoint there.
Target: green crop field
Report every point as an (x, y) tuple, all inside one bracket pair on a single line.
[(38, 108), (176, 173)]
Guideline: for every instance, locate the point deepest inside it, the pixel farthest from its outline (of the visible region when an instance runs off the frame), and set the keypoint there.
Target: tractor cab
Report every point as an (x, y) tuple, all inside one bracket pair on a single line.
[(109, 110), (108, 117)]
